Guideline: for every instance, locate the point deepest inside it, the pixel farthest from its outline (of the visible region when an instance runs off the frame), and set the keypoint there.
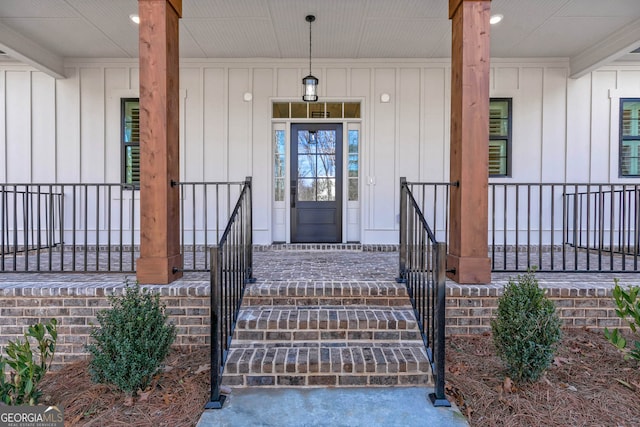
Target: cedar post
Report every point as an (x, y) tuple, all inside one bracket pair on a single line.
[(468, 260), (160, 260)]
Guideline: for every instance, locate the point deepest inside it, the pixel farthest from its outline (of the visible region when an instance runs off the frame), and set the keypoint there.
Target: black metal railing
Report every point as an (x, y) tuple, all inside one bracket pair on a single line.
[(30, 219), (96, 227), (604, 219), (89, 227), (563, 227), (550, 227), (205, 209), (231, 270), (423, 268)]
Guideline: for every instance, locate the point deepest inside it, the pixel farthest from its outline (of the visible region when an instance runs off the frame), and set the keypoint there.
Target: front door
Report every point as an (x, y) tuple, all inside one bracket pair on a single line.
[(316, 183)]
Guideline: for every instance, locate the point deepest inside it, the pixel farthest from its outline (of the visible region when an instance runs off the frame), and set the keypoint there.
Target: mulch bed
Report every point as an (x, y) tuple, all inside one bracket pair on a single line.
[(589, 384), (176, 397)]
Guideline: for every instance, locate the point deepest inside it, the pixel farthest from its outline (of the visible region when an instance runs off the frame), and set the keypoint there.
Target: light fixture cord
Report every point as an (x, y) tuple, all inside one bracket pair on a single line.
[(310, 47)]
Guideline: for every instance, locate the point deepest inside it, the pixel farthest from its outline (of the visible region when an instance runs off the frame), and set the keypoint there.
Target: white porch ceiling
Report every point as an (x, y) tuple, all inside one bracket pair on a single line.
[(587, 32)]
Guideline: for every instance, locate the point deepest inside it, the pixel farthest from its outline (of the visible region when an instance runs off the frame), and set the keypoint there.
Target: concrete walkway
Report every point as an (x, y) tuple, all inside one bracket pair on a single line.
[(352, 407)]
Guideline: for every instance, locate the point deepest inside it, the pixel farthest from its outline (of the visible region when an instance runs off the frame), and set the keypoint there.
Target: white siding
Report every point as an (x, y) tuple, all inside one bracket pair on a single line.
[(18, 126), (578, 130), (554, 124), (262, 150), (43, 127), (92, 124), (69, 130)]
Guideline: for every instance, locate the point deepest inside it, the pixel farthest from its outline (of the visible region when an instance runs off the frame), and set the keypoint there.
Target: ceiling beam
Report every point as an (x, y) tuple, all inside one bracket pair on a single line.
[(611, 48), (26, 50)]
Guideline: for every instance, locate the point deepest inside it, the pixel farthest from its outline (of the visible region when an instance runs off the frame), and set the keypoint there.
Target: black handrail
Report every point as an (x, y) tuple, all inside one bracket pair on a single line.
[(231, 270), (423, 269)]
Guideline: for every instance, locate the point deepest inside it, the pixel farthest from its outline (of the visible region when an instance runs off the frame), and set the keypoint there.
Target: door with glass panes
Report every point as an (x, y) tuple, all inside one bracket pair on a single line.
[(316, 183)]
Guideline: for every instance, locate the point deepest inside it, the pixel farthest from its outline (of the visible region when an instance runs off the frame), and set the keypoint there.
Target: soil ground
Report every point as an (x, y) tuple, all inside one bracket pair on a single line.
[(589, 384)]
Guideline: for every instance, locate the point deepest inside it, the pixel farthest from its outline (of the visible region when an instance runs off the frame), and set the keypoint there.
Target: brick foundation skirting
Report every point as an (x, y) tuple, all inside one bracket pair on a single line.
[(75, 305), (470, 308)]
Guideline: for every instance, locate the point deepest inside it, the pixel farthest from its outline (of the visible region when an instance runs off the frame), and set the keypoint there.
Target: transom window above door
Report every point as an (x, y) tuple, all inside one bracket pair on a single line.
[(316, 110)]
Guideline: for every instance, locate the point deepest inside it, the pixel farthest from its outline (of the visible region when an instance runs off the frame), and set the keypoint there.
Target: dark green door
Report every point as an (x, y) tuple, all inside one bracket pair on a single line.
[(316, 183)]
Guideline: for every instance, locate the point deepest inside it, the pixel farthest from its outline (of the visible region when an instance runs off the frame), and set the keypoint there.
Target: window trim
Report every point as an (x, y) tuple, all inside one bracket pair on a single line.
[(509, 136), (622, 138), (123, 144)]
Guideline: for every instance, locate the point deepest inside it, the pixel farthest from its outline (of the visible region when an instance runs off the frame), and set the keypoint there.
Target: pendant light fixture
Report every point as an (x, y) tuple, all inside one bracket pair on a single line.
[(310, 83)]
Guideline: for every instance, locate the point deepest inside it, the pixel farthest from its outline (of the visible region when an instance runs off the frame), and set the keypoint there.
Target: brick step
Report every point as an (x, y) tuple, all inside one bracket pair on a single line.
[(325, 318), (323, 365), (326, 293)]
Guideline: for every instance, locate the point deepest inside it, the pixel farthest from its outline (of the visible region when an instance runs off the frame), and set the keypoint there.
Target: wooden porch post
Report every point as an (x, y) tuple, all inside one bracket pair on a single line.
[(160, 258), (468, 259)]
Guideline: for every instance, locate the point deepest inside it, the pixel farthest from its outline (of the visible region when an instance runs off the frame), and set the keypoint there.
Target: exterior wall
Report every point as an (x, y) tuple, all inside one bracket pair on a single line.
[(69, 130)]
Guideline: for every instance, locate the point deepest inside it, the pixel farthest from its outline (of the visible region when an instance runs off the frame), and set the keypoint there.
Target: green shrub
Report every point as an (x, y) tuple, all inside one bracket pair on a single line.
[(132, 341), (19, 385), (627, 308), (526, 330)]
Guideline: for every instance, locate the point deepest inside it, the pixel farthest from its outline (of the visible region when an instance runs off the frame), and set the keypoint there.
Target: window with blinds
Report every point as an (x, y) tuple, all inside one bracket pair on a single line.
[(130, 110), (630, 137), (500, 137)]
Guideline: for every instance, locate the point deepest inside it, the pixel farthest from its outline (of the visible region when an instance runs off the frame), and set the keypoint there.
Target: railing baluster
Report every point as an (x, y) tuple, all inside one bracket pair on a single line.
[(493, 227), (540, 225), (108, 220), (38, 228), (403, 230), (193, 225), (553, 222), (97, 238)]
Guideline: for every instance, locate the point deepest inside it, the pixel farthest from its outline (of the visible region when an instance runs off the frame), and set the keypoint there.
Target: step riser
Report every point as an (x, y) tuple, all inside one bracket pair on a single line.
[(347, 366), (302, 338), (400, 302), (327, 289), (327, 380)]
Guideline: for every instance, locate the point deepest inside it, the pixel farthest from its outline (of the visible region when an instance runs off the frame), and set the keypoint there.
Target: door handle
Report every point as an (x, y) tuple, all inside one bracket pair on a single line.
[(294, 185)]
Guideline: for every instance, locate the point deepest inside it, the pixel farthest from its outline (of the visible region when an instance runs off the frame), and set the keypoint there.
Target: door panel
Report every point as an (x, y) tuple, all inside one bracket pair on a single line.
[(316, 183)]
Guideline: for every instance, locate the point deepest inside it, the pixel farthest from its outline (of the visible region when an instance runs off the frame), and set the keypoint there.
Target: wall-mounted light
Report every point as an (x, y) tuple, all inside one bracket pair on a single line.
[(248, 96), (134, 18), (310, 83), (495, 19), (385, 97)]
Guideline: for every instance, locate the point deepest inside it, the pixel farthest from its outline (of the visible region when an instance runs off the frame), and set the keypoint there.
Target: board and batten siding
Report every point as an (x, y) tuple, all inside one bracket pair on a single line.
[(68, 130)]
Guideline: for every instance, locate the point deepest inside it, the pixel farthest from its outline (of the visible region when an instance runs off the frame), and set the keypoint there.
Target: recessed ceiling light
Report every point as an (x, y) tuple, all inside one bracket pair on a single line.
[(135, 18), (495, 19)]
